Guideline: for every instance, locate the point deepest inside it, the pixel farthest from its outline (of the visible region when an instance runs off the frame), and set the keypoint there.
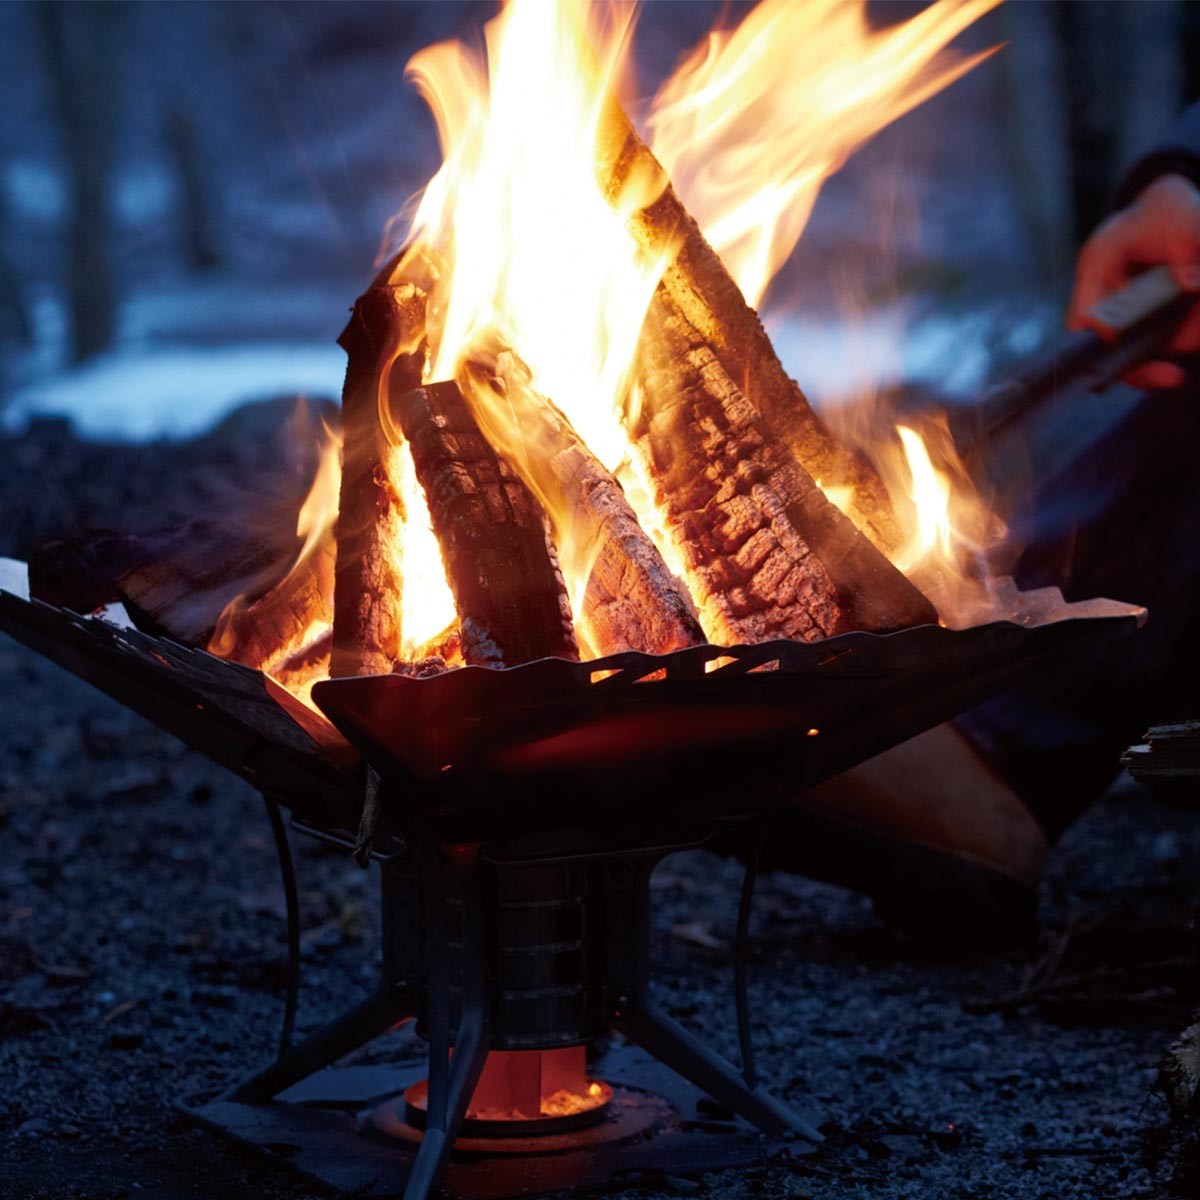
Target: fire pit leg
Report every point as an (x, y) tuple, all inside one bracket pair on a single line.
[(639, 1018), (359, 1025), (452, 1078)]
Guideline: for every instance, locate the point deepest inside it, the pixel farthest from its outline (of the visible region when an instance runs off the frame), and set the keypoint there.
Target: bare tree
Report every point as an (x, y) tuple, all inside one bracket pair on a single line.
[(191, 177), (81, 46)]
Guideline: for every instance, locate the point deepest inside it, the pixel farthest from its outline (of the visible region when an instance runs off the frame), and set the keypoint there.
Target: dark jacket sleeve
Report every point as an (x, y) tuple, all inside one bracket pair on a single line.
[(1177, 154)]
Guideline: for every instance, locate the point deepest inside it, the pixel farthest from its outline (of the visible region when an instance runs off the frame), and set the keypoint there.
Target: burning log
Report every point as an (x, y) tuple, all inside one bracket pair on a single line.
[(384, 342), (771, 557), (501, 565), (172, 582), (632, 600), (697, 289), (279, 624)]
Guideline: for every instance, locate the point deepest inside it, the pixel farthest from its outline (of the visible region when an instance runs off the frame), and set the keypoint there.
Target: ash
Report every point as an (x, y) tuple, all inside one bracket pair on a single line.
[(141, 957)]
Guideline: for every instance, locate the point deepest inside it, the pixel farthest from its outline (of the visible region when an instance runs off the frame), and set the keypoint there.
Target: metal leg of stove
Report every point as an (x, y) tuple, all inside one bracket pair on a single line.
[(452, 1079), (671, 1044), (359, 1025), (639, 1019)]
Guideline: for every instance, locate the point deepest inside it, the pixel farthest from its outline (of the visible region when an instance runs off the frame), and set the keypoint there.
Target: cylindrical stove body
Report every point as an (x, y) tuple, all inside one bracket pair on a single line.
[(543, 923)]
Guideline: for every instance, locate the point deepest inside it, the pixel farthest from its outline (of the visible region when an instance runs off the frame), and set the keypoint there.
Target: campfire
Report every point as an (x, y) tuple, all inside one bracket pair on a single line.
[(565, 431), (568, 452)]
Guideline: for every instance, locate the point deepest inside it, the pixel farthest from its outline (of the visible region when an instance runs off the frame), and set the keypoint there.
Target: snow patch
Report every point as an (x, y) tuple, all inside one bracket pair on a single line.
[(176, 392)]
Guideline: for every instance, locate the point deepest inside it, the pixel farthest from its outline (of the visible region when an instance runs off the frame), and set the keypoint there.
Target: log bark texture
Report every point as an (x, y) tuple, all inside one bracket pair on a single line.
[(770, 557), (500, 562), (632, 600), (696, 288), (385, 345), (279, 624), (173, 583)]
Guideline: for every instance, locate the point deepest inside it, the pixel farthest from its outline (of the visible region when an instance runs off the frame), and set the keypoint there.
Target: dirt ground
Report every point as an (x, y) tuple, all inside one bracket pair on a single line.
[(141, 958)]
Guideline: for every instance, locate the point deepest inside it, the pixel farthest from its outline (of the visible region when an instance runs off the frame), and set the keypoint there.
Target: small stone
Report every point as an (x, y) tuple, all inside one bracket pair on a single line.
[(1166, 849), (34, 1127), (905, 1145)]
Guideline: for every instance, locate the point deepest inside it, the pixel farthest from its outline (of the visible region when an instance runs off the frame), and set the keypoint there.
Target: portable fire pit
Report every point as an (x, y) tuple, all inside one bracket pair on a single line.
[(582, 580), (524, 811)]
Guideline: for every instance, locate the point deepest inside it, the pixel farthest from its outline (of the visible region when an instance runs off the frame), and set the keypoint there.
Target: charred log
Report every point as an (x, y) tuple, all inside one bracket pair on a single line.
[(697, 289), (632, 600), (384, 342), (769, 555), (500, 563), (173, 583), (264, 632)]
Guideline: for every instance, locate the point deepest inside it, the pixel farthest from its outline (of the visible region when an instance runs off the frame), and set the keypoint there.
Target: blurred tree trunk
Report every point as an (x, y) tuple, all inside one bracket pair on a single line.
[(15, 322), (1091, 86), (1037, 131), (1096, 68), (1154, 69), (81, 46), (192, 181)]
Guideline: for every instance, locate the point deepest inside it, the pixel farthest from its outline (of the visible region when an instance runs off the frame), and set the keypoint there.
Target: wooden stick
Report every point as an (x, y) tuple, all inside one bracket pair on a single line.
[(500, 562), (266, 631), (385, 344), (696, 288), (770, 557), (632, 601)]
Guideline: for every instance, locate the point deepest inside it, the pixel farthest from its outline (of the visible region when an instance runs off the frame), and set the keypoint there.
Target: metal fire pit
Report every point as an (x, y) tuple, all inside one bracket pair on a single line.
[(524, 812)]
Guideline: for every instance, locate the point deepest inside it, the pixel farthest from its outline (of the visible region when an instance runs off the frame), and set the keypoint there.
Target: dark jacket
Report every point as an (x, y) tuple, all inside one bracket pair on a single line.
[(1177, 154)]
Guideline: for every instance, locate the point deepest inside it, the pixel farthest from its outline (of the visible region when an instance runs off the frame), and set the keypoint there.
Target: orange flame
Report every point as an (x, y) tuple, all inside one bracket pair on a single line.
[(297, 660), (755, 120), (535, 257), (950, 527), (320, 508), (518, 246)]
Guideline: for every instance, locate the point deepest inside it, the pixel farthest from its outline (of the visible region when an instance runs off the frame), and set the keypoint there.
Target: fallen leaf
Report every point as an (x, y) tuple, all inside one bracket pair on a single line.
[(699, 933)]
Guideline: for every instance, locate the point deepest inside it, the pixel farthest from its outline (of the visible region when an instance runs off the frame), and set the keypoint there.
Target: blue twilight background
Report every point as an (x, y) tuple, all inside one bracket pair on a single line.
[(191, 194)]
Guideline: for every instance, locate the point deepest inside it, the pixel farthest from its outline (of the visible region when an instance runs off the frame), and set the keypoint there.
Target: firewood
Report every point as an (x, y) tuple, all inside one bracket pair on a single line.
[(500, 562), (302, 668), (632, 601), (173, 583), (770, 557), (269, 630), (697, 288), (385, 344)]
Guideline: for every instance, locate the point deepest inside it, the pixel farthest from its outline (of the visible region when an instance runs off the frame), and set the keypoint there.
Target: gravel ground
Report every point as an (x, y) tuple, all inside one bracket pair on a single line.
[(141, 958)]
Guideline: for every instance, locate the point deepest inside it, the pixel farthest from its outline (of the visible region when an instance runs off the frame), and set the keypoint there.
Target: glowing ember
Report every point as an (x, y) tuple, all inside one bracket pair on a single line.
[(530, 1085)]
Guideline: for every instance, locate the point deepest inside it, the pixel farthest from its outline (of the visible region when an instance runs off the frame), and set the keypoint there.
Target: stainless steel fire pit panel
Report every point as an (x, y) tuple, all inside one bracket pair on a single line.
[(237, 717), (708, 731)]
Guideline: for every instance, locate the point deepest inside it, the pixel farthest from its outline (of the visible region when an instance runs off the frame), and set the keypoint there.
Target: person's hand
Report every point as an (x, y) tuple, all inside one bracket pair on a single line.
[(1161, 226)]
